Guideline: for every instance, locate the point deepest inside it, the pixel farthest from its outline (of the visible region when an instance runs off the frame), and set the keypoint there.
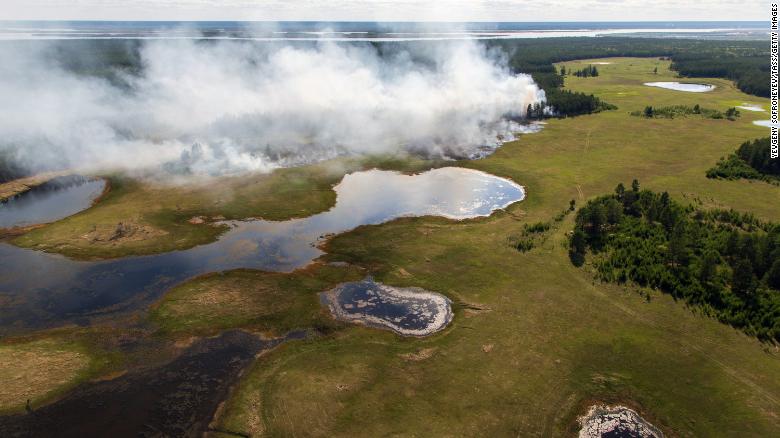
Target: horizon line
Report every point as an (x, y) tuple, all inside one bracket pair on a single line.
[(387, 21)]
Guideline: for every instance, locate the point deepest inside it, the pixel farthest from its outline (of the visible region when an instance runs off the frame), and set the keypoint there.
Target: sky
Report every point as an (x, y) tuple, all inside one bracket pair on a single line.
[(386, 10)]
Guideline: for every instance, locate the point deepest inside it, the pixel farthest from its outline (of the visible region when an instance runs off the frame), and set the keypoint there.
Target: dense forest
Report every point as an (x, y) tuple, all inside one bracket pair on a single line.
[(725, 263), (752, 160), (750, 70), (745, 62)]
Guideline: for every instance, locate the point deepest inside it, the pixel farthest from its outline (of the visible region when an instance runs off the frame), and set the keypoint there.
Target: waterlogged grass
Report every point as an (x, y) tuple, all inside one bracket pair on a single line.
[(157, 215), (536, 340), (274, 303), (44, 368)]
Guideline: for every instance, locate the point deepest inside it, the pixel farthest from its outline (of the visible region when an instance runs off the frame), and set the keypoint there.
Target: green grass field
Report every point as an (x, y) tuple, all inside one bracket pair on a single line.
[(553, 341), (534, 340)]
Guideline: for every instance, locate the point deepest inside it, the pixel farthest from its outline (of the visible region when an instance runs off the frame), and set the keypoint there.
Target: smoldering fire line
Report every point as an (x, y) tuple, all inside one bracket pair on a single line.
[(229, 107)]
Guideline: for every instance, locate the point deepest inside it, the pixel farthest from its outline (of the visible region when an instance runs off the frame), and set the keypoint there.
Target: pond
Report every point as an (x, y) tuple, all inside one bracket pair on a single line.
[(39, 289), (751, 107), (679, 86), (53, 200), (615, 422), (407, 311)]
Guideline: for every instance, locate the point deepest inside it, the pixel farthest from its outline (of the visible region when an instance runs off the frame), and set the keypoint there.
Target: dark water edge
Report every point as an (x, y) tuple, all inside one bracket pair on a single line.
[(53, 200), (407, 311), (40, 290), (179, 399)]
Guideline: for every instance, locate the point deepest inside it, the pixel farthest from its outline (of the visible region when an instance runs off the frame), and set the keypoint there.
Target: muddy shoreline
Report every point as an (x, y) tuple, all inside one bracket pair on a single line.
[(604, 421), (45, 290), (406, 311), (18, 186)]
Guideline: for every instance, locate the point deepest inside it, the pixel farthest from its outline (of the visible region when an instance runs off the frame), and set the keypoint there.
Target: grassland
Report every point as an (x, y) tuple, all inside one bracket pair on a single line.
[(43, 367), (274, 303), (534, 340), (549, 340)]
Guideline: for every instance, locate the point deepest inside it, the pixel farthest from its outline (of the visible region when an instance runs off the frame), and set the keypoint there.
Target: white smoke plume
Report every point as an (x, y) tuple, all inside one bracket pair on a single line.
[(227, 107)]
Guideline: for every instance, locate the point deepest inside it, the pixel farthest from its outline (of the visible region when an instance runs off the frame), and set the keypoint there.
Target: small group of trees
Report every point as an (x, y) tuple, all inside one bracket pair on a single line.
[(724, 262), (589, 71), (752, 160), (535, 111), (570, 103), (673, 111)]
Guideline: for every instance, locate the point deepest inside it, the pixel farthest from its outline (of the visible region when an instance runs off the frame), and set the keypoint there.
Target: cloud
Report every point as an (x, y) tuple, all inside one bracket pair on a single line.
[(224, 107)]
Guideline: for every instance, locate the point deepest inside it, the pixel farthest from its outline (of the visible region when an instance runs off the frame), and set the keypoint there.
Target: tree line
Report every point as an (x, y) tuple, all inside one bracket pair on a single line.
[(723, 262), (749, 70), (752, 160), (745, 62)]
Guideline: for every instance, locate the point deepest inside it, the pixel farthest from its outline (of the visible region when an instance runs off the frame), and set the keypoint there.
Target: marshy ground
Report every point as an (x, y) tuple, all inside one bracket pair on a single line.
[(534, 341)]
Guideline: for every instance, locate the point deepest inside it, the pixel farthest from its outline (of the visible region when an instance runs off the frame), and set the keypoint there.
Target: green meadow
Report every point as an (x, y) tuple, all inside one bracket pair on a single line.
[(534, 341)]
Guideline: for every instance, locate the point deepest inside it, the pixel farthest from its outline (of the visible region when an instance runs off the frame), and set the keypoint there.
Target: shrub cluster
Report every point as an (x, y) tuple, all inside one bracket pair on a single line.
[(670, 112)]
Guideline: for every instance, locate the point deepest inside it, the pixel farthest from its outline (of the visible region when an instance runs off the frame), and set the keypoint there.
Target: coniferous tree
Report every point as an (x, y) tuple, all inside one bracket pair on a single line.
[(742, 279), (773, 276), (709, 266), (620, 190)]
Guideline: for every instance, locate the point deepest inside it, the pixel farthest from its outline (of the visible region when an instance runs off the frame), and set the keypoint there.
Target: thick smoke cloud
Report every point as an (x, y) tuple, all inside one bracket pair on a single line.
[(228, 107)]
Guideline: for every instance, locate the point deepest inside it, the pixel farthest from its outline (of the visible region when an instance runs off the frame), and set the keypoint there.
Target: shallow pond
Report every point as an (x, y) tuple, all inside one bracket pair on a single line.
[(678, 86), (39, 289), (51, 201), (615, 422), (751, 107), (408, 311)]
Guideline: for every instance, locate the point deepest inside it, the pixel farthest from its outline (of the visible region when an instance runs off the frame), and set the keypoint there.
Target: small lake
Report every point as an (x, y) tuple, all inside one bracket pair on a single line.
[(40, 289), (679, 86), (615, 422), (51, 201), (407, 311)]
